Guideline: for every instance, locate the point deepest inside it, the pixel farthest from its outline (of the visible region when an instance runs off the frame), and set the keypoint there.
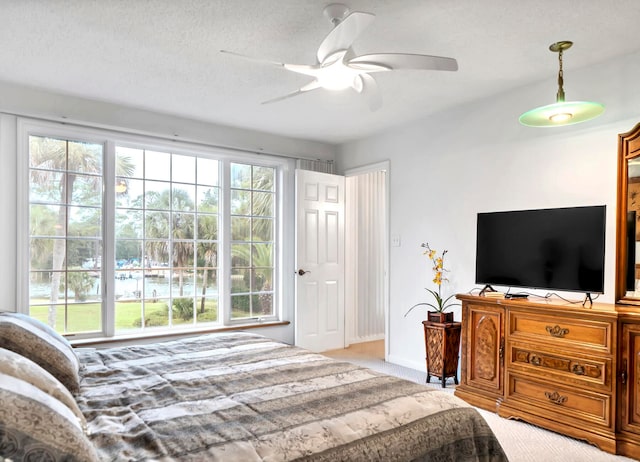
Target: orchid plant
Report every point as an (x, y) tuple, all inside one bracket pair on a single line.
[(439, 276)]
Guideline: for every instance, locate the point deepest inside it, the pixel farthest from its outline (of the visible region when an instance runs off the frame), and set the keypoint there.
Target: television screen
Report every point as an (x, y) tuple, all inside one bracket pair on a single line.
[(561, 249)]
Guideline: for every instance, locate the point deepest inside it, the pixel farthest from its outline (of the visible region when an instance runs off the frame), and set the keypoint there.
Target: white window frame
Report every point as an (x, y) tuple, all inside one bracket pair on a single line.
[(283, 232)]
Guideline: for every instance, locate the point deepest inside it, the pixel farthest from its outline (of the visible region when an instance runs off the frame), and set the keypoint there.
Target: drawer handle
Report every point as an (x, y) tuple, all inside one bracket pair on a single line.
[(578, 369), (555, 397), (535, 360), (557, 331)]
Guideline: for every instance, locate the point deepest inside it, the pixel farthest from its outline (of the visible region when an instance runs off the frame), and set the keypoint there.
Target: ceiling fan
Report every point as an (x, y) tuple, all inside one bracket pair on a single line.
[(338, 67)]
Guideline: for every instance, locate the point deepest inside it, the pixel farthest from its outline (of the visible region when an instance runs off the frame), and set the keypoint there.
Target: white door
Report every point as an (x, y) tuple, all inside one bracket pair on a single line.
[(319, 324)]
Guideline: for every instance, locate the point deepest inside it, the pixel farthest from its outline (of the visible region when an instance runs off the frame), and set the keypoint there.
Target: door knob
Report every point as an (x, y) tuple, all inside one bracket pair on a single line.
[(302, 272)]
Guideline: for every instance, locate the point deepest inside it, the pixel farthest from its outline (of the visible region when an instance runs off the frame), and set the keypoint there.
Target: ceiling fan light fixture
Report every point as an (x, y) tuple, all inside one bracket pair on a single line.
[(562, 112), (337, 77), (338, 68), (560, 117)]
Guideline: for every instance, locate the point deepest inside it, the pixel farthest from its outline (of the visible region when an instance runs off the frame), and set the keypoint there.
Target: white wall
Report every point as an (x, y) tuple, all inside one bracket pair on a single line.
[(447, 168), (19, 100)]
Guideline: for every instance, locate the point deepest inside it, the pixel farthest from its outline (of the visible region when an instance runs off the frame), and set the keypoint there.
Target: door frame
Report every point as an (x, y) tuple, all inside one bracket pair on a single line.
[(349, 256)]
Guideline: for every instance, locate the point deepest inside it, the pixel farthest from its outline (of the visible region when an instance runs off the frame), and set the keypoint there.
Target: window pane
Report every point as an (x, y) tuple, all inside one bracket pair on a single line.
[(157, 195), (208, 172), (207, 199), (262, 229), (240, 202), (207, 282), (183, 197), (84, 253), (157, 165), (129, 193), (240, 228), (44, 220), (208, 227), (43, 186), (240, 306), (263, 178), (41, 253), (128, 224), (156, 225), (207, 309), (262, 204), (129, 162), (84, 157), (263, 279), (84, 221), (240, 176), (47, 153), (183, 169), (240, 255), (240, 281), (262, 256), (156, 254), (182, 310), (182, 225), (87, 190)]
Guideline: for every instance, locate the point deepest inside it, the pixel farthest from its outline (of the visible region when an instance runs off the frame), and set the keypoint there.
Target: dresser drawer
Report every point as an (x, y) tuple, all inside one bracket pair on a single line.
[(559, 403), (570, 368), (562, 332)]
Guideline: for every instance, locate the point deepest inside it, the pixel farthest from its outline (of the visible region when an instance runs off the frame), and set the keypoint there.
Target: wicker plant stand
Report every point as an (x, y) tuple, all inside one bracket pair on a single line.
[(442, 344)]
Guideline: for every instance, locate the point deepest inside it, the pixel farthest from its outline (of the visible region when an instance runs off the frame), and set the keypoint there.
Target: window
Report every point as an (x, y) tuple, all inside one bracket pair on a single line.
[(65, 233), (126, 237), (166, 239), (252, 231)]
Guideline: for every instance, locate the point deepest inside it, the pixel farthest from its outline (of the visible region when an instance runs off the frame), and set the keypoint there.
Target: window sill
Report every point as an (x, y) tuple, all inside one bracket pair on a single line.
[(97, 342)]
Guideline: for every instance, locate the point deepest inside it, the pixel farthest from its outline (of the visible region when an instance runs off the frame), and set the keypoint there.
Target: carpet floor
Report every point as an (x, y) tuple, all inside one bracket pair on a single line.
[(522, 442)]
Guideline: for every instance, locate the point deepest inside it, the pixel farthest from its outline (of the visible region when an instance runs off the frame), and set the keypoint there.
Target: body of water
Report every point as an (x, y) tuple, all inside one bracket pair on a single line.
[(132, 288)]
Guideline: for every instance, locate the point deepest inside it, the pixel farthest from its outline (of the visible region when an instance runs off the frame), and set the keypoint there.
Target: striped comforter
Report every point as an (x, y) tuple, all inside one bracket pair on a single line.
[(244, 397)]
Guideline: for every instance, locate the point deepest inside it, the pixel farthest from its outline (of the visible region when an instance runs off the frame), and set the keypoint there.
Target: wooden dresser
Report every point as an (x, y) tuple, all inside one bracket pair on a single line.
[(554, 365)]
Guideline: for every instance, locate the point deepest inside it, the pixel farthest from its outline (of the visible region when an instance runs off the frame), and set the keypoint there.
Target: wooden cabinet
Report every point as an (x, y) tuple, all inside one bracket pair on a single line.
[(629, 388), (549, 364), (482, 368), (559, 370)]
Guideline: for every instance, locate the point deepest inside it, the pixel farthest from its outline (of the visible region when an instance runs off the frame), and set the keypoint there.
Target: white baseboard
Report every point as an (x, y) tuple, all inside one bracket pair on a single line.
[(417, 365)]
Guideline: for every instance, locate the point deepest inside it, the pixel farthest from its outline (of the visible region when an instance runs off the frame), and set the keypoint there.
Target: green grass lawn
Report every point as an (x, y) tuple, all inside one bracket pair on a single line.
[(86, 317)]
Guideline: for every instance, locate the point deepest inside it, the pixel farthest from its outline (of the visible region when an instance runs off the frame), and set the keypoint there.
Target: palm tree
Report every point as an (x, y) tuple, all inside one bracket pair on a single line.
[(179, 226), (207, 248)]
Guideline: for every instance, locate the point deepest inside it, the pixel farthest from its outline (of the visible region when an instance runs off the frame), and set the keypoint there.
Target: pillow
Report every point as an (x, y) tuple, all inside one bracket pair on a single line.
[(36, 426), (24, 369), (30, 338)]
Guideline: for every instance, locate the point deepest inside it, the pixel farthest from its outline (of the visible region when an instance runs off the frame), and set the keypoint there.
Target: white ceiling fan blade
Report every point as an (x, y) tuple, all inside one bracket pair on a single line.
[(303, 69), (371, 92), (253, 58), (308, 87), (298, 68), (403, 61), (343, 35)]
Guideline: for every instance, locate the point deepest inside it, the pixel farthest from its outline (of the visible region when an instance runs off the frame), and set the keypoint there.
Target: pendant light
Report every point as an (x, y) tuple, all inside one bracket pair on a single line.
[(561, 112)]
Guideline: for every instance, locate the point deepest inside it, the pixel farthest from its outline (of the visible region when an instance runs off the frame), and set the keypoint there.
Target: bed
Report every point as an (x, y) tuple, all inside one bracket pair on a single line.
[(244, 397)]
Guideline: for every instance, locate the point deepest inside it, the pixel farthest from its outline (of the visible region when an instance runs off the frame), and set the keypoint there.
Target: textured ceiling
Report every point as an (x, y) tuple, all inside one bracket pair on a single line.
[(163, 55)]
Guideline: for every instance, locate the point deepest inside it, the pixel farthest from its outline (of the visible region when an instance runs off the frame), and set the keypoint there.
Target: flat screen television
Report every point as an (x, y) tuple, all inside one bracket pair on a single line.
[(557, 249)]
